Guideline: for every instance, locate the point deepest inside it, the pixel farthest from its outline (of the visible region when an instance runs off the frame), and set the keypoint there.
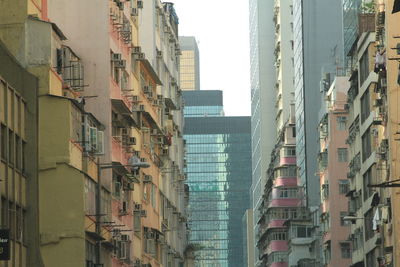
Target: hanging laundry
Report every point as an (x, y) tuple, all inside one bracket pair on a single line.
[(375, 220), (380, 61), (396, 6), (385, 214)]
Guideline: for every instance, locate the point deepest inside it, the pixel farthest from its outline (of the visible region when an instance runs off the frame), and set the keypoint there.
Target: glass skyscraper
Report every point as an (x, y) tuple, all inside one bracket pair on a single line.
[(218, 156)]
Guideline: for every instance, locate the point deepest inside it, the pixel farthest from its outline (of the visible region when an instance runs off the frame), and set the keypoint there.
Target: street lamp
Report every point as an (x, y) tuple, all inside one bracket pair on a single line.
[(135, 164)]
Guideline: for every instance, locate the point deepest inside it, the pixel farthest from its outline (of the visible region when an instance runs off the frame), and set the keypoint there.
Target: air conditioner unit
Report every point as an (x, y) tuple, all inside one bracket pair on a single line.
[(137, 50), (129, 187), (165, 222), (116, 57), (124, 238), (378, 102), (120, 64), (131, 141), (134, 12), (147, 179), (143, 213), (140, 56), (140, 4), (150, 235), (125, 131), (146, 89)]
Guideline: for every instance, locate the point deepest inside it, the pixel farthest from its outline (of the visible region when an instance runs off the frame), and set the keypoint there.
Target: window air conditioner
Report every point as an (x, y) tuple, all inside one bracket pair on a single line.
[(137, 50), (116, 57)]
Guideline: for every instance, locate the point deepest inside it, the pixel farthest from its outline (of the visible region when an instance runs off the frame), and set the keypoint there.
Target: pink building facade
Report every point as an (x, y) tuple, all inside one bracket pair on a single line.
[(333, 168), (282, 201)]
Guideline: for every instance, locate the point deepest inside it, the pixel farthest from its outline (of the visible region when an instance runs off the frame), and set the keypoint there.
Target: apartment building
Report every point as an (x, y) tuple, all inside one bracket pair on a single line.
[(65, 172), (18, 150), (370, 202), (333, 168), (137, 97), (282, 200)]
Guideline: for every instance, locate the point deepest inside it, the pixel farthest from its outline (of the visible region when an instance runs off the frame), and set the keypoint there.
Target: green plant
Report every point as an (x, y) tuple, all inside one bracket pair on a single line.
[(368, 7)]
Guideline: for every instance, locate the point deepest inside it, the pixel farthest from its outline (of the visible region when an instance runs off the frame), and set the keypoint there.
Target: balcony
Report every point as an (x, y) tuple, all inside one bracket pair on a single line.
[(277, 246)]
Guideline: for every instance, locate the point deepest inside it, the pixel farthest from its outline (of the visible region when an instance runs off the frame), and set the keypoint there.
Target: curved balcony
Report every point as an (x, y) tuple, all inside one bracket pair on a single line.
[(285, 181), (287, 161), (277, 246), (284, 202)]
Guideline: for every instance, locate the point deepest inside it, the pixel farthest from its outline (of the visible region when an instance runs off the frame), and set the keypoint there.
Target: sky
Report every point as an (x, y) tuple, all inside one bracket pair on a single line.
[(221, 28)]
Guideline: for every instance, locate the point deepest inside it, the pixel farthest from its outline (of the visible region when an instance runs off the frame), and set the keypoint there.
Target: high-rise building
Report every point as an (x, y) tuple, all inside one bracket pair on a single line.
[(262, 75), (318, 49), (218, 175), (189, 63)]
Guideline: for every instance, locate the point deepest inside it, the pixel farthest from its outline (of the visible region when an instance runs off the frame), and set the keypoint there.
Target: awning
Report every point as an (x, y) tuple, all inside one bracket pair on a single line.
[(95, 236), (151, 71)]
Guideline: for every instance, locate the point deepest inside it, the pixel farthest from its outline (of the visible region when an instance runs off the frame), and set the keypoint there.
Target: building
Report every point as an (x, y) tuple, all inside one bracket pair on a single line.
[(392, 18), (333, 167), (218, 175), (189, 63), (103, 118), (263, 124), (18, 150), (248, 238), (370, 202), (318, 49), (282, 200)]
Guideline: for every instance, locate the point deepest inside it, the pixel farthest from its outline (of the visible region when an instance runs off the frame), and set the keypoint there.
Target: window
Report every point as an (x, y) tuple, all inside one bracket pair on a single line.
[(344, 187), (90, 254), (10, 146), (287, 192), (364, 67), (90, 196), (289, 152), (341, 123), (303, 231), (342, 154), (3, 143), (345, 250), (366, 145), (367, 179), (365, 106), (117, 185), (327, 252), (369, 233)]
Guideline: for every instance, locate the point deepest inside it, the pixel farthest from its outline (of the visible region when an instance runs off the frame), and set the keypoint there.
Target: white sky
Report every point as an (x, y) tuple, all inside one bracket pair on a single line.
[(221, 30)]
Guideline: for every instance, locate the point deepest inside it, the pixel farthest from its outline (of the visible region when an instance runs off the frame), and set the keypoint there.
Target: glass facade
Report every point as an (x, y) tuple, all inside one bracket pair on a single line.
[(218, 156), (351, 9), (189, 64)]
